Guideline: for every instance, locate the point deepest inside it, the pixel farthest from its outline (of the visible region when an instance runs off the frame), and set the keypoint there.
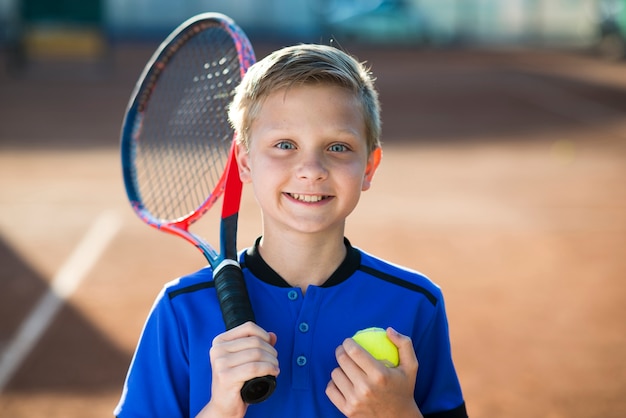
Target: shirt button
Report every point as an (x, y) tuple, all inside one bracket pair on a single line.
[(303, 327), (292, 295), (301, 360)]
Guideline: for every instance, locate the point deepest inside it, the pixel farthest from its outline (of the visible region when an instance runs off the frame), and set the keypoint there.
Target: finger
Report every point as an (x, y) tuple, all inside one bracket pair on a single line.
[(341, 381), (241, 351), (247, 351), (248, 329), (248, 369), (241, 366), (340, 390), (335, 395), (242, 344), (406, 352), (273, 339), (243, 337), (358, 359)]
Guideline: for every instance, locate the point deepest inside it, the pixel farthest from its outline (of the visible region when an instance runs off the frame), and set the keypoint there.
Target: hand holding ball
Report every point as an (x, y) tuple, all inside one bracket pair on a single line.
[(375, 341)]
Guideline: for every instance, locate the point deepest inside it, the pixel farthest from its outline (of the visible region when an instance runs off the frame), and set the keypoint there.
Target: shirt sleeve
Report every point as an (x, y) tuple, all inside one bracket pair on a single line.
[(157, 383), (438, 391)]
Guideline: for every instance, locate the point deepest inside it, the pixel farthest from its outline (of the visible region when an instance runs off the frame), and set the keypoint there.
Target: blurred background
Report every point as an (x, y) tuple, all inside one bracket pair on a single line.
[(503, 179), (32, 27)]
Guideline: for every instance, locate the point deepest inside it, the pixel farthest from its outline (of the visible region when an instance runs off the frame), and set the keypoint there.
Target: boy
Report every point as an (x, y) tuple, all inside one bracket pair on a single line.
[(308, 128)]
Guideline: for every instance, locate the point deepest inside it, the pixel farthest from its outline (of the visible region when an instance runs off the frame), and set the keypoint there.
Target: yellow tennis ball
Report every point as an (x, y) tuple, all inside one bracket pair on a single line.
[(376, 342)]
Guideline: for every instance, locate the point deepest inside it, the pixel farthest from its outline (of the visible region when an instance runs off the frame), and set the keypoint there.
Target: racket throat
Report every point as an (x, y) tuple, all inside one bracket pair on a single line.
[(228, 236)]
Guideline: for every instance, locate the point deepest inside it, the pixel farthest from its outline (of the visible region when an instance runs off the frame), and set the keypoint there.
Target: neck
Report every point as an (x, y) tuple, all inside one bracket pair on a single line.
[(303, 260)]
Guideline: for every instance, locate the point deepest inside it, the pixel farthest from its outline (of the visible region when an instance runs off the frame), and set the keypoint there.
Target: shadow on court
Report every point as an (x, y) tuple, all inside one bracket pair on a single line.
[(70, 347)]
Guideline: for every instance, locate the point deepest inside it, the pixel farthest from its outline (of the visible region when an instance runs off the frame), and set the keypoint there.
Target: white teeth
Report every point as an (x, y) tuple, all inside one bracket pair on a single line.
[(307, 198)]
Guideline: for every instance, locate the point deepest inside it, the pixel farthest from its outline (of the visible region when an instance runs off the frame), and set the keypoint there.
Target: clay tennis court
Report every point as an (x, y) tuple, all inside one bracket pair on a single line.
[(503, 179)]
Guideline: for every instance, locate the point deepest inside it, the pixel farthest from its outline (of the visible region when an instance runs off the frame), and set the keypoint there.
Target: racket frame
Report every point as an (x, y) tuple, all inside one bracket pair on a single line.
[(227, 273), (132, 128)]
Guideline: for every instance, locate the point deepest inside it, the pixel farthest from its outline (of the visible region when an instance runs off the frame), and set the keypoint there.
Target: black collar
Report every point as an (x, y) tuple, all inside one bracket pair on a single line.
[(255, 263)]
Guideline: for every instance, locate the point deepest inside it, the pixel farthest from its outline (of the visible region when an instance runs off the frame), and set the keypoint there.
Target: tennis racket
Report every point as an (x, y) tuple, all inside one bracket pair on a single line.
[(177, 151)]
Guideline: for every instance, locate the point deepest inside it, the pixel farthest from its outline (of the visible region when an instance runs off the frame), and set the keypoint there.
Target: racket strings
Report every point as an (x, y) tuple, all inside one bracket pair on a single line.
[(181, 154)]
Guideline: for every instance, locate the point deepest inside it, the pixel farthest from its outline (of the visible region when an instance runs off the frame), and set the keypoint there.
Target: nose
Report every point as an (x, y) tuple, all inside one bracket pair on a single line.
[(312, 167)]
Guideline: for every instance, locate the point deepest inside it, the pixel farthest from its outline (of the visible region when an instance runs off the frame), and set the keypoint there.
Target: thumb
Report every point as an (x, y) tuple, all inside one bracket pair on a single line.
[(405, 347)]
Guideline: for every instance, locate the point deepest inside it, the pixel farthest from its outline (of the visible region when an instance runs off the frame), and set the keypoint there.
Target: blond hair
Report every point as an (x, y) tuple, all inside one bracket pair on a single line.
[(305, 64)]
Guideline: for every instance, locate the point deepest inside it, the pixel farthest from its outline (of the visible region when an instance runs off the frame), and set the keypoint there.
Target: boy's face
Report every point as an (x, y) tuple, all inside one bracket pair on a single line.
[(307, 158)]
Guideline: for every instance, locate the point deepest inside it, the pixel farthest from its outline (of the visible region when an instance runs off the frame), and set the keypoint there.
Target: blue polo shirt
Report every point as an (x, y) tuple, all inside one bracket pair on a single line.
[(170, 374)]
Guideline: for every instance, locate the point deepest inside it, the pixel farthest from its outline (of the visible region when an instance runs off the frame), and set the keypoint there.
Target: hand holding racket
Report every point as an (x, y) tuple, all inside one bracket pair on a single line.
[(178, 152)]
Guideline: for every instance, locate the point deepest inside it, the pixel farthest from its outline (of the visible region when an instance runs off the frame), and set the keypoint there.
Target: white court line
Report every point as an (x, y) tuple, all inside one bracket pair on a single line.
[(67, 279)]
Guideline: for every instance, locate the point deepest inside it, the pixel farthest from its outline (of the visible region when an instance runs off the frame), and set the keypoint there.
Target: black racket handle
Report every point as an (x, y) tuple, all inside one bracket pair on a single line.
[(236, 310), (258, 389), (232, 295)]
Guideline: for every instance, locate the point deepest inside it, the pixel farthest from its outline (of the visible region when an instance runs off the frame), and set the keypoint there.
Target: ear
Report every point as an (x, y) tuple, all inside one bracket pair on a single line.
[(243, 162), (372, 164)]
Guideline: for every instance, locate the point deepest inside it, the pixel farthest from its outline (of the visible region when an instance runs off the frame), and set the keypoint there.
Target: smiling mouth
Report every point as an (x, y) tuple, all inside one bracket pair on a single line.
[(307, 197)]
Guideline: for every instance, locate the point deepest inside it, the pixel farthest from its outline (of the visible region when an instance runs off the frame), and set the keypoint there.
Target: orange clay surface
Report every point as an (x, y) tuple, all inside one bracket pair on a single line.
[(503, 179)]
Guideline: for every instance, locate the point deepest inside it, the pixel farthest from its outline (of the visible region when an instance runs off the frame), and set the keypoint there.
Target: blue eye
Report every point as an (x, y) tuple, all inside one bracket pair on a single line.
[(338, 148), (285, 145)]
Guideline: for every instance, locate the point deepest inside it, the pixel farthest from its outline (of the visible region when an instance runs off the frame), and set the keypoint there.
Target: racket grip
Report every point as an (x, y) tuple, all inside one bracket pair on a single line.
[(232, 295), (236, 310)]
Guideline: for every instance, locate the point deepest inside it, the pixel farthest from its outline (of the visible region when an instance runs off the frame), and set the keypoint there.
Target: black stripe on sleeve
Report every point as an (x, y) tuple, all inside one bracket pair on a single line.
[(392, 279), (190, 289), (459, 412)]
